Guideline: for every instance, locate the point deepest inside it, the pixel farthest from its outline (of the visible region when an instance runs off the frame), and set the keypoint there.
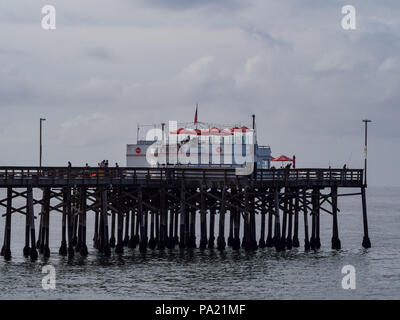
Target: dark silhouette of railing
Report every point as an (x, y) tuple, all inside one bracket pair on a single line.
[(87, 175)]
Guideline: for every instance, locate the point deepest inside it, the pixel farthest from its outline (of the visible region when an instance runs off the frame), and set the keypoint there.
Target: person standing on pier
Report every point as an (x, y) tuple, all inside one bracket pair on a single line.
[(344, 172), (117, 169), (69, 168), (106, 167)]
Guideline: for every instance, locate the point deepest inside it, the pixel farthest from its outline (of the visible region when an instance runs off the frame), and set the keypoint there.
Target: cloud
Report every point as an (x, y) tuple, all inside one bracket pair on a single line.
[(109, 66), (389, 64), (101, 53), (96, 119), (198, 66), (265, 37)]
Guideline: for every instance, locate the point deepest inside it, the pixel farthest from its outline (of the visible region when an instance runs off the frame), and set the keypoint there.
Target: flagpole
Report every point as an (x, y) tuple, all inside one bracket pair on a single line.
[(195, 116), (365, 150)]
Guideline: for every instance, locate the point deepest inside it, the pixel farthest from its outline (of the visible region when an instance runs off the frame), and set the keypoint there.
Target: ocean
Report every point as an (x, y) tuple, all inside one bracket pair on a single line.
[(210, 274)]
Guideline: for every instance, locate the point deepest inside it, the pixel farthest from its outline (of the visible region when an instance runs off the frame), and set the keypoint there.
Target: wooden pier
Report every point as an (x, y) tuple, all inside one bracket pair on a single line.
[(158, 208)]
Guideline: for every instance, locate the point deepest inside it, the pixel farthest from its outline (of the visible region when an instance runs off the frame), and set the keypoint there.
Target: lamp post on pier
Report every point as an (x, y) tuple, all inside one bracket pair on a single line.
[(40, 151), (365, 150), (366, 243)]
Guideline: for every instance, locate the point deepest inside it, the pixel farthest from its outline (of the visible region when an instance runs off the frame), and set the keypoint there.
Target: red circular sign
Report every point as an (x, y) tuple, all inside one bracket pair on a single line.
[(219, 149), (138, 150)]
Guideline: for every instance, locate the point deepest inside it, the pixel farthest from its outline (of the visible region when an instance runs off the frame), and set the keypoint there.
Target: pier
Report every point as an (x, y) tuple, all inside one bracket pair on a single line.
[(161, 208)]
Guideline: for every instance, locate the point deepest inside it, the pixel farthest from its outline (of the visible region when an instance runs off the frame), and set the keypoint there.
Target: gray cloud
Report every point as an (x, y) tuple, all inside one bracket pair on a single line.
[(109, 66), (98, 53)]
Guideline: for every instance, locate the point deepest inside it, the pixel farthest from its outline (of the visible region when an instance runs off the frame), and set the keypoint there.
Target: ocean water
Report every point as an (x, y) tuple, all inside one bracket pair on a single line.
[(209, 274)]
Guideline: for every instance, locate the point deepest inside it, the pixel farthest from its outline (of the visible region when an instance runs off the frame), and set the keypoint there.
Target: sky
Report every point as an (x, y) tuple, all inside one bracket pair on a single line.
[(110, 65)]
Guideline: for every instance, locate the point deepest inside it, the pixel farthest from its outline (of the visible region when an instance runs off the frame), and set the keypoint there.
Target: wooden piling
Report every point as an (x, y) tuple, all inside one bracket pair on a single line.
[(317, 220), (146, 226), (289, 243), (314, 200), (75, 215), (306, 239), (70, 221), (46, 224), (192, 229), (6, 249), (63, 247), (113, 220), (221, 236), (176, 220), (246, 244), (203, 218), (101, 241), (83, 246), (105, 248), (38, 242), (26, 250), (152, 240), (232, 213), (143, 231), (335, 229), (119, 248), (157, 217), (284, 219), (366, 243), (131, 243), (127, 223), (30, 212), (230, 235), (236, 237), (170, 238), (277, 235), (252, 215), (187, 226), (163, 220), (96, 229), (211, 238), (261, 242), (136, 239), (182, 215), (79, 221), (296, 242), (270, 240)]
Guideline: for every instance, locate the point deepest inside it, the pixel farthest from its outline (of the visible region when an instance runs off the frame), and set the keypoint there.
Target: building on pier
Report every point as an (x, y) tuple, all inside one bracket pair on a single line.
[(197, 144)]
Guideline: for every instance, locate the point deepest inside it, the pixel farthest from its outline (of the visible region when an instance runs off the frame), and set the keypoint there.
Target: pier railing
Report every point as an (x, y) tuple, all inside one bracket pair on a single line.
[(88, 175)]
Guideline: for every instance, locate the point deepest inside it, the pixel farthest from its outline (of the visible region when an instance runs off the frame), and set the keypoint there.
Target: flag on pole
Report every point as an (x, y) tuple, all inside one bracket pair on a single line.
[(195, 115)]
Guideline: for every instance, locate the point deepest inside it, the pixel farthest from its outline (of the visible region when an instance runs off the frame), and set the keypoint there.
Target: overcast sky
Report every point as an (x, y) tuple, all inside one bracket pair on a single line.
[(112, 64)]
